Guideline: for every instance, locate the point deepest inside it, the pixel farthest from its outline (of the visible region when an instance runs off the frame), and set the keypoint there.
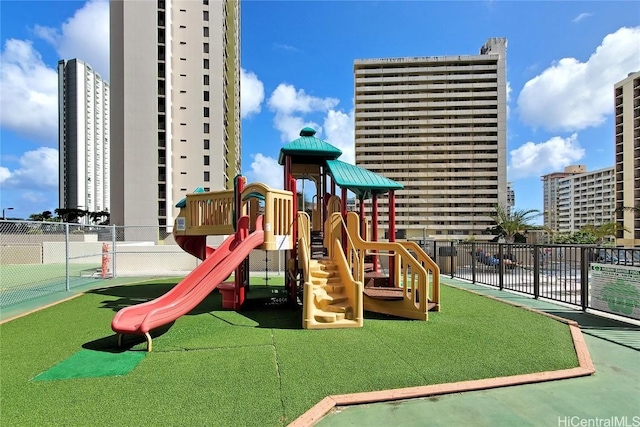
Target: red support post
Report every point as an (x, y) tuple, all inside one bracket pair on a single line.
[(239, 279), (392, 235), (343, 212), (363, 223), (374, 230)]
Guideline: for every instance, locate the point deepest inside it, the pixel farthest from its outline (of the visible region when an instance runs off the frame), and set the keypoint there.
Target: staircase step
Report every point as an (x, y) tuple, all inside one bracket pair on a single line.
[(324, 299), (337, 288), (328, 317), (341, 307), (322, 273)]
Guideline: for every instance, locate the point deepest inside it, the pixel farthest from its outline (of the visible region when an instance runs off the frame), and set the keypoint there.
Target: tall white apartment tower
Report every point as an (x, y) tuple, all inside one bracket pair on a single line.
[(438, 125), (627, 134), (550, 194), (175, 81), (585, 199), (83, 138)]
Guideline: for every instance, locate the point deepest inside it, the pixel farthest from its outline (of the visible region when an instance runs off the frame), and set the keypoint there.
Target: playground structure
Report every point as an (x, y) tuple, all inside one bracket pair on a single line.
[(332, 256)]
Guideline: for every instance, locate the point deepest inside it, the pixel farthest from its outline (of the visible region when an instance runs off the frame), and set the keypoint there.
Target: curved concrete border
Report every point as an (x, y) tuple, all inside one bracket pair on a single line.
[(585, 368)]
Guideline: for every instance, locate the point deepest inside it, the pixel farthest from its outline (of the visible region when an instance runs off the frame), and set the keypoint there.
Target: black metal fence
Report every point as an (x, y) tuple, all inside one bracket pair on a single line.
[(556, 272)]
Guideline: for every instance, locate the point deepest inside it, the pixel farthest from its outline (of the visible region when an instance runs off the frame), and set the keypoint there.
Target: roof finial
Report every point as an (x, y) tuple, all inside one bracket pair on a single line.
[(307, 131)]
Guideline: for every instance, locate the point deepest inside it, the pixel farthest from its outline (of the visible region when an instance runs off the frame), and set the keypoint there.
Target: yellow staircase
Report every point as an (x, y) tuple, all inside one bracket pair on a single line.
[(331, 303)]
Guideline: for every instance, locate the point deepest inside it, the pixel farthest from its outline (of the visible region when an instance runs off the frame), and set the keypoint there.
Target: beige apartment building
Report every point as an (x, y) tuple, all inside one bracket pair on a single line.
[(175, 104), (438, 126), (627, 166), (585, 199), (550, 194)]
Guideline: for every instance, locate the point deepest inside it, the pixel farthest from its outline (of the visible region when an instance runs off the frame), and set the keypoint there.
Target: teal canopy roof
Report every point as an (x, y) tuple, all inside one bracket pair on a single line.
[(362, 182), (182, 203), (309, 146)]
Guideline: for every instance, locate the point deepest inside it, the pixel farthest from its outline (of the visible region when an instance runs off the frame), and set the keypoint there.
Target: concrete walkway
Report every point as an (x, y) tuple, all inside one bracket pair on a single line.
[(610, 397)]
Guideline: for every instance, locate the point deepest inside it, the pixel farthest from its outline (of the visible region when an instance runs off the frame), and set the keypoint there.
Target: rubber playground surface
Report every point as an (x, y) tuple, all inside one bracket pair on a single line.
[(216, 367)]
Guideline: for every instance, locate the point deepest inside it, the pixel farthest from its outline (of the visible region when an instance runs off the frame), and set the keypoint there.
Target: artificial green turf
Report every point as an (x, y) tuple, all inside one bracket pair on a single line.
[(215, 367), (91, 363), (19, 275)]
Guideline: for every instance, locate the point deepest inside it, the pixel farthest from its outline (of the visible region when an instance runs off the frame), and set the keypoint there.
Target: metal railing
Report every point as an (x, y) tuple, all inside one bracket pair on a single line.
[(38, 259), (560, 273)]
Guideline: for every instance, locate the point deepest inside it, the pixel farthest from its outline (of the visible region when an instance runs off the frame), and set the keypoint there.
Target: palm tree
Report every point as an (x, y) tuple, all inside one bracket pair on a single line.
[(513, 222), (603, 230)]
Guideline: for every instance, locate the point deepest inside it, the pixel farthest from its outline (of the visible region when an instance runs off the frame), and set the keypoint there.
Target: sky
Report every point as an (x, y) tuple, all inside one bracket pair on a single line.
[(563, 59)]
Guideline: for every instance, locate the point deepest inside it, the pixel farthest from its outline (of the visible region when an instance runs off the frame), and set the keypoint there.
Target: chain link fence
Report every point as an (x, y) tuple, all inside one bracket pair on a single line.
[(43, 258)]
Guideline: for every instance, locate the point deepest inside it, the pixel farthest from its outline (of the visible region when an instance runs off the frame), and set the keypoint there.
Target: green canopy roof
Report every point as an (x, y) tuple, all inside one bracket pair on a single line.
[(309, 146), (362, 182), (182, 203)]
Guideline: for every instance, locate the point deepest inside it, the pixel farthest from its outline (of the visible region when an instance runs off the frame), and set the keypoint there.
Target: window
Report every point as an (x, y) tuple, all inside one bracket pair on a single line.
[(205, 64), (205, 79), (205, 15), (206, 111), (206, 128), (183, 157), (205, 47), (206, 160), (205, 31), (206, 95), (206, 176), (206, 144)]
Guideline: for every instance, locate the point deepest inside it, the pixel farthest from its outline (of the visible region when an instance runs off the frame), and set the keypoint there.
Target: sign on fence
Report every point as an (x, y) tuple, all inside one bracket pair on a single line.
[(615, 289)]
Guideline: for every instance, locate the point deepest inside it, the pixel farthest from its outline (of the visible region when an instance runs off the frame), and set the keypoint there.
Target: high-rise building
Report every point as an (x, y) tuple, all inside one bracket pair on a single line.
[(627, 134), (550, 193), (585, 199), (438, 126), (83, 138), (175, 82)]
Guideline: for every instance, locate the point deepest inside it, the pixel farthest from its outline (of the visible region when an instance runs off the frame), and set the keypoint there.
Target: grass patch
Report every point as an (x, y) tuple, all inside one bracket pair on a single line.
[(216, 367)]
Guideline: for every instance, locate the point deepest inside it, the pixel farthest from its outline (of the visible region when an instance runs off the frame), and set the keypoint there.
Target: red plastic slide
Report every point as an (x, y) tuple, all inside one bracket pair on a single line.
[(186, 295)]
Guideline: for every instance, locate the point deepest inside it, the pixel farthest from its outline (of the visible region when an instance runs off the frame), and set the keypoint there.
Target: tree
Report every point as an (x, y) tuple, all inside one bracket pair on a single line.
[(599, 232), (514, 222), (71, 215), (577, 238), (43, 216)]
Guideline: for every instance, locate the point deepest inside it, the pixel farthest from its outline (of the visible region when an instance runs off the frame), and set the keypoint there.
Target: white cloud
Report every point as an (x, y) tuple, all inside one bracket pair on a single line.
[(582, 16), (28, 92), (533, 159), (29, 88), (251, 93), (290, 126), (285, 47), (84, 36), (285, 99), (339, 130), (38, 170), (5, 173), (572, 95), (290, 105), (266, 169)]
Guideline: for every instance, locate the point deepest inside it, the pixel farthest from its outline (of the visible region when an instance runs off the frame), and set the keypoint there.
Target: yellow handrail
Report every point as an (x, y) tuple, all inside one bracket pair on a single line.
[(407, 267), (334, 222), (430, 265)]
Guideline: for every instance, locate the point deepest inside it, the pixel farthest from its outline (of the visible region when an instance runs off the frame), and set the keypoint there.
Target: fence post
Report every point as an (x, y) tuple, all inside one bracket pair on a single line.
[(113, 251), (500, 267), (584, 277), (67, 255), (536, 272), (473, 262), (451, 259)]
